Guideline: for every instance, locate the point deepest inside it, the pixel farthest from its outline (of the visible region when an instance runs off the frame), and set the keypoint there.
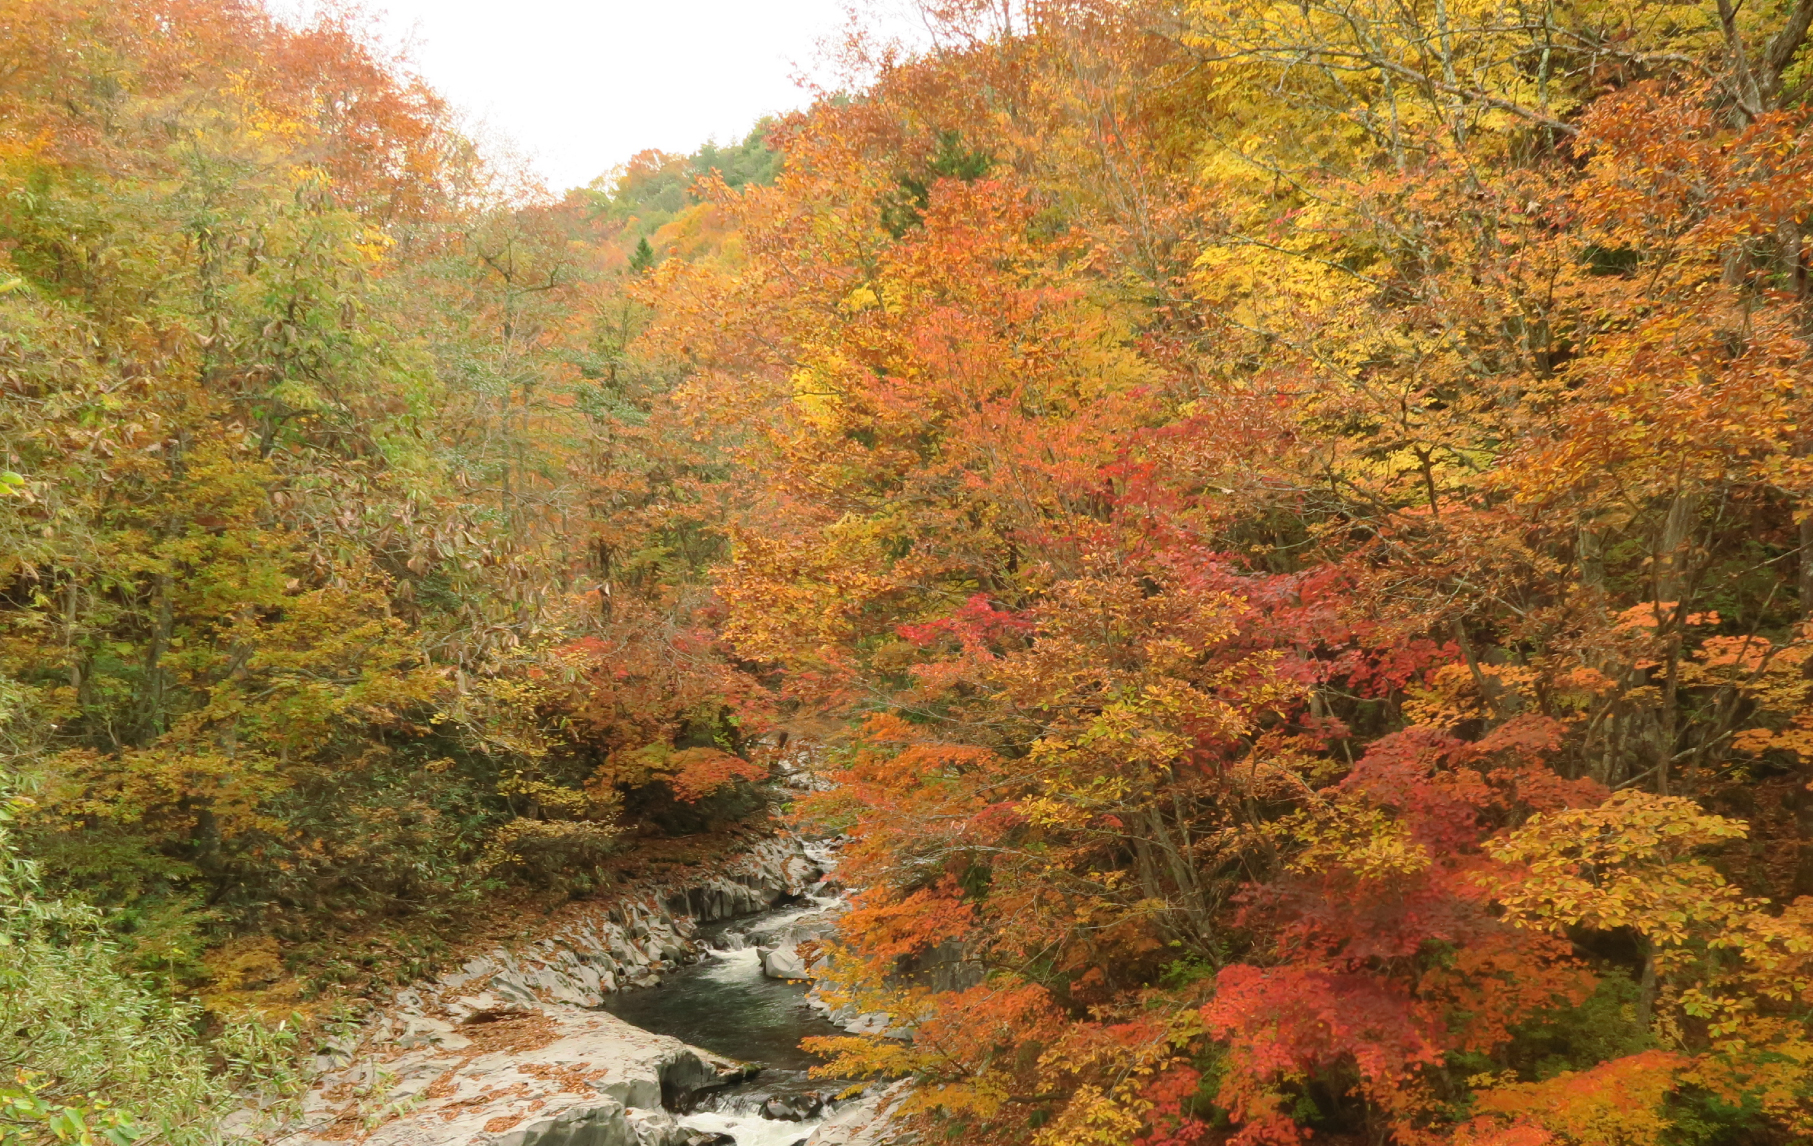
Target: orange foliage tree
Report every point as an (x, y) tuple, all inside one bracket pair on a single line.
[(1301, 511)]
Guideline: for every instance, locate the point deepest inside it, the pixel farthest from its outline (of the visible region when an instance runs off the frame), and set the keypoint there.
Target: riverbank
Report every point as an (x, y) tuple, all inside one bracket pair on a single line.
[(517, 1045)]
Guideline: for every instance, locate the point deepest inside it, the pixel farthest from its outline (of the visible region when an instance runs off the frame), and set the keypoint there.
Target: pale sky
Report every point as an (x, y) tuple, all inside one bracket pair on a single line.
[(578, 86)]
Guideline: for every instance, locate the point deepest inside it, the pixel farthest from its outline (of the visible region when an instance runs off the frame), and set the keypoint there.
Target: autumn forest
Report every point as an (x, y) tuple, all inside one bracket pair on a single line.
[(1281, 534)]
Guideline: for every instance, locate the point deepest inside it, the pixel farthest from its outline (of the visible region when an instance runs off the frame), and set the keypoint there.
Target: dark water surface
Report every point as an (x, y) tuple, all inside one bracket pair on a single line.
[(725, 1004)]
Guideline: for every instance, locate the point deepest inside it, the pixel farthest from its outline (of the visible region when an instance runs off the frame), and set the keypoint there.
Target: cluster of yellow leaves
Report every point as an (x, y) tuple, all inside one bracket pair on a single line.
[(1364, 840), (1729, 970)]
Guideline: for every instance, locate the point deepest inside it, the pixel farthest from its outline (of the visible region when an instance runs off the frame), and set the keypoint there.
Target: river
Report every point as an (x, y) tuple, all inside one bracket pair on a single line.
[(725, 1004)]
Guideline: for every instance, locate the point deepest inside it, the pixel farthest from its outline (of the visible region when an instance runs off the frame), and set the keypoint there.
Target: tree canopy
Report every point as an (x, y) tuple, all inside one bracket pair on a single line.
[(1305, 508)]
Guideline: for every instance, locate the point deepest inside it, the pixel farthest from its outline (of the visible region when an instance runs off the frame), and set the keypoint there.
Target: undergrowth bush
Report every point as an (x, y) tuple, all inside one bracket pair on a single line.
[(92, 1051)]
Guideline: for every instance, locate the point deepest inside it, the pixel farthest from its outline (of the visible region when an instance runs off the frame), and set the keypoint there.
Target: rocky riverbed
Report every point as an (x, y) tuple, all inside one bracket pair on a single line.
[(586, 1036)]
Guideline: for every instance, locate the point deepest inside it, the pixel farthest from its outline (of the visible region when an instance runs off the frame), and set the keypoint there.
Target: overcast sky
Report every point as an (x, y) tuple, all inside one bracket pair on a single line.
[(581, 85)]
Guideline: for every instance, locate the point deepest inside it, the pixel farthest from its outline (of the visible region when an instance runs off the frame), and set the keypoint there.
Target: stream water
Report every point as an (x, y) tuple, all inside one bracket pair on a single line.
[(726, 1004)]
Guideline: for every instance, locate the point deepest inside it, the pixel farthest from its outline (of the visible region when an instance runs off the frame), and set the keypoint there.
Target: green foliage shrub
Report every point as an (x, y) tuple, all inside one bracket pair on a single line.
[(1605, 1026), (92, 1050)]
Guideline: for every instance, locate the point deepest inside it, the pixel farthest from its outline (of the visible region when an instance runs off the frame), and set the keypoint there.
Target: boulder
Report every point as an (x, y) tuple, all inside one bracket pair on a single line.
[(658, 1128), (783, 963)]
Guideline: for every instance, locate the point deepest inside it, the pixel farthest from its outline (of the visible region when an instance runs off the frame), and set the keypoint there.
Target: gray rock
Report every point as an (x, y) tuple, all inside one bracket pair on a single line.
[(601, 1125), (865, 1122), (784, 963), (559, 1076), (792, 1107), (657, 1128), (420, 1031)]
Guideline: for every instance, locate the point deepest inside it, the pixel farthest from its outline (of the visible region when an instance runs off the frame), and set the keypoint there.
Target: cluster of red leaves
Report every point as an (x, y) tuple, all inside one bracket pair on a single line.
[(1353, 926), (699, 772)]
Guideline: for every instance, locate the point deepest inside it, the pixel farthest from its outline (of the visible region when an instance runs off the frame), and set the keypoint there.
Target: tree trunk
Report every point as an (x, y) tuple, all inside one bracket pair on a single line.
[(1673, 561), (1806, 566), (163, 619)]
